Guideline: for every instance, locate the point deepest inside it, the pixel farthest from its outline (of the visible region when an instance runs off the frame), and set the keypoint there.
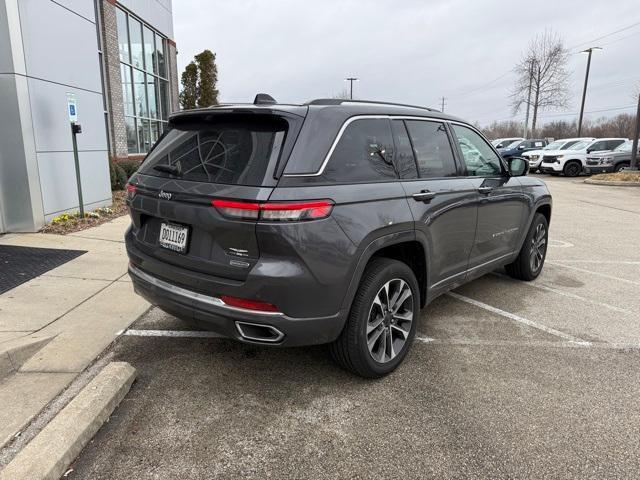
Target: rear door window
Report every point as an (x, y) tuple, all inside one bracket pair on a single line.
[(432, 148), (364, 153), (227, 151)]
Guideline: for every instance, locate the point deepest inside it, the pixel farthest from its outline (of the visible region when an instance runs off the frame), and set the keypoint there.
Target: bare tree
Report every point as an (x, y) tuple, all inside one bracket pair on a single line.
[(542, 76), (343, 94)]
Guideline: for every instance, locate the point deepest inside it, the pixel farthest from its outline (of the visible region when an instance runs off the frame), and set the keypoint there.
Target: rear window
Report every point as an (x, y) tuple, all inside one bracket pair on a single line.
[(233, 151)]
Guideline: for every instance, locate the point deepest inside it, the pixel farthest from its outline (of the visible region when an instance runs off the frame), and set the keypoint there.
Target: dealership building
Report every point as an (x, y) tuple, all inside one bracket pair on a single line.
[(116, 60)]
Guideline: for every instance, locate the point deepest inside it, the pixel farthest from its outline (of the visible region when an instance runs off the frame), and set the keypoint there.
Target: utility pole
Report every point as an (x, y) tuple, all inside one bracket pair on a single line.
[(589, 51), (351, 80), (443, 104), (525, 133), (634, 146)]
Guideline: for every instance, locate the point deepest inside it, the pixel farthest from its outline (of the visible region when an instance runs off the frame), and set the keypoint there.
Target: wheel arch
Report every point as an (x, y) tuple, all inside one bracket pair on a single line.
[(402, 246)]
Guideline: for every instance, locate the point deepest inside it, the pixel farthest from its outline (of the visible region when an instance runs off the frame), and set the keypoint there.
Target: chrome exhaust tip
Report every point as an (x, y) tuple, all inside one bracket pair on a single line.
[(257, 332)]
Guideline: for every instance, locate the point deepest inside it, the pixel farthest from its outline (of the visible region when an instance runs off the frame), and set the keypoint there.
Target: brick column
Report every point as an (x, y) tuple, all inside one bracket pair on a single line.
[(113, 80), (173, 76)]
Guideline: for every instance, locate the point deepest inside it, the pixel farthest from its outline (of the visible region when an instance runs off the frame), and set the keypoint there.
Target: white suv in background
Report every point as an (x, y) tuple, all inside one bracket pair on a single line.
[(535, 156), (571, 162), (503, 142)]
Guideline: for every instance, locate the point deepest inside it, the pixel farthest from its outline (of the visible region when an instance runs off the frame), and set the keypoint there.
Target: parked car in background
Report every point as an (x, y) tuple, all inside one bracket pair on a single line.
[(535, 156), (516, 149), (613, 161), (571, 162), (504, 142)]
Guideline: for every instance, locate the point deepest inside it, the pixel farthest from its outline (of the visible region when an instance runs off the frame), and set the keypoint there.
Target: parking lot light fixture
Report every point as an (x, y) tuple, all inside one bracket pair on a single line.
[(588, 51)]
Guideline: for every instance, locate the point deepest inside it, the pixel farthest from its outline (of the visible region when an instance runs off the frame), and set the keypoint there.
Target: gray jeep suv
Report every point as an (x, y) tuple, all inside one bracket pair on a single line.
[(329, 222)]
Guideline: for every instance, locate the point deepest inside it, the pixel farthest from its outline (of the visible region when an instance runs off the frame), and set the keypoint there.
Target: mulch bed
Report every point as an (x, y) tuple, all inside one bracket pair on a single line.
[(74, 224)]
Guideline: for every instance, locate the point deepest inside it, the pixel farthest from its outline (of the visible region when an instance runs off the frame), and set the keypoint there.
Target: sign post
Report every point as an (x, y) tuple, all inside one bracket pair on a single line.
[(634, 146), (72, 110)]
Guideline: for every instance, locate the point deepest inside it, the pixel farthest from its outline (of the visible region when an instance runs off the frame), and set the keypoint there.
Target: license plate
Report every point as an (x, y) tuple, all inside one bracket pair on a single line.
[(173, 237)]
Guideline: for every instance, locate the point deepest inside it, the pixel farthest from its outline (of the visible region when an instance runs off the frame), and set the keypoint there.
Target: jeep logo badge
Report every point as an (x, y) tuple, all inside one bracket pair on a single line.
[(165, 195)]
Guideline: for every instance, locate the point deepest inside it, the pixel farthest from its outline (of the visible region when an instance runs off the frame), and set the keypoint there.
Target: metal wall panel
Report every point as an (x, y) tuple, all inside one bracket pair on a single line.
[(51, 123), (59, 192), (59, 46)]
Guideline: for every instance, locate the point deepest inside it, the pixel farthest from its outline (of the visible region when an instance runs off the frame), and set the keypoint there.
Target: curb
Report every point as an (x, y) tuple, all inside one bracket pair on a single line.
[(612, 183), (59, 443), (14, 353)]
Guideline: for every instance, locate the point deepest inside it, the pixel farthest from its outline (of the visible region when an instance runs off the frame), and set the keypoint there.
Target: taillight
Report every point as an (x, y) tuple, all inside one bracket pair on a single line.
[(275, 211), (131, 190), (248, 304)]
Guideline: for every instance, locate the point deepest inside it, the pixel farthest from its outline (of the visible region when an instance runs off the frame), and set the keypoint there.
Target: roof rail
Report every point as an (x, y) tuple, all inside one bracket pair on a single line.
[(341, 101)]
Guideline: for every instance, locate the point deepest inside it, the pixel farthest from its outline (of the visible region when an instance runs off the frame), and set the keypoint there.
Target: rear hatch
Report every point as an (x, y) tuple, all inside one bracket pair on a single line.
[(230, 154)]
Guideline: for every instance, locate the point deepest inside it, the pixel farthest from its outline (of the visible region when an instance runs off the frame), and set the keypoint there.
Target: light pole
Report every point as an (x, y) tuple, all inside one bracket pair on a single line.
[(589, 51), (351, 80)]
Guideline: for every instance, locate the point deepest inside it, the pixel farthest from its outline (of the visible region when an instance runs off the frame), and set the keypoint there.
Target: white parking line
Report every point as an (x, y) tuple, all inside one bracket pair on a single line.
[(172, 333), (614, 262), (569, 295), (603, 275), (518, 318), (530, 343)]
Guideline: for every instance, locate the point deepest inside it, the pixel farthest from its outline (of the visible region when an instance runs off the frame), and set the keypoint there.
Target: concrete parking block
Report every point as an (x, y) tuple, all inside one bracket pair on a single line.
[(42, 300), (87, 330), (23, 395), (54, 448)]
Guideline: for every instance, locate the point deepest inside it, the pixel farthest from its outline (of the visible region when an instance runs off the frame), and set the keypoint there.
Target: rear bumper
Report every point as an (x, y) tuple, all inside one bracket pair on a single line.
[(229, 321)]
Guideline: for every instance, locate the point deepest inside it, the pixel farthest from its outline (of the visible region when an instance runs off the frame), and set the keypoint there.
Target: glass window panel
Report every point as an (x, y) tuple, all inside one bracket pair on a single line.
[(479, 157), (164, 99), (155, 132), (149, 49), (127, 89), (160, 55), (144, 135), (132, 137), (432, 149), (151, 96), (123, 36), (364, 153), (135, 33), (405, 162), (140, 93)]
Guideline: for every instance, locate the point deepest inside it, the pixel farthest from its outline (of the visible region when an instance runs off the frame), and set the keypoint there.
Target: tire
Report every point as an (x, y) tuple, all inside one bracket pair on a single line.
[(620, 166), (524, 267), (572, 169), (351, 350)]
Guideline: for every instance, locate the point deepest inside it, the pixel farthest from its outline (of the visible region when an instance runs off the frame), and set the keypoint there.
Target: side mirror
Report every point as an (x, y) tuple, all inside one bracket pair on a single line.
[(521, 147), (589, 150), (518, 167)]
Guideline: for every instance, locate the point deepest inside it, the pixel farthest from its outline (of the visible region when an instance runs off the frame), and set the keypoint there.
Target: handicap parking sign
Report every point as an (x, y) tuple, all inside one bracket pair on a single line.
[(72, 108)]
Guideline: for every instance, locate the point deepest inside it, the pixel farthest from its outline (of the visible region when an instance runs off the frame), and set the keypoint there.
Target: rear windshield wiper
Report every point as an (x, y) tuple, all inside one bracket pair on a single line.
[(170, 169)]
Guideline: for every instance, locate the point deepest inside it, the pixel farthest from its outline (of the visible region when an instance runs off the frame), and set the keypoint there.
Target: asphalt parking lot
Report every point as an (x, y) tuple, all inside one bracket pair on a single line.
[(506, 380)]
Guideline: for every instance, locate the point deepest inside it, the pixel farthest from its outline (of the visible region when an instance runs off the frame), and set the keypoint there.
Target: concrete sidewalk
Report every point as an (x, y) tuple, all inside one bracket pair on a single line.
[(54, 326)]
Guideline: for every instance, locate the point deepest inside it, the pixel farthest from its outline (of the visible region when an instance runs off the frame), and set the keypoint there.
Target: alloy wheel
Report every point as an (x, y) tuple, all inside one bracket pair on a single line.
[(390, 319), (538, 247)]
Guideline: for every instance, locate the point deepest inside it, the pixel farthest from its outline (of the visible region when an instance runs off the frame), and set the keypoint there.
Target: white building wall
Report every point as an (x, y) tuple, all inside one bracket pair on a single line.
[(157, 13)]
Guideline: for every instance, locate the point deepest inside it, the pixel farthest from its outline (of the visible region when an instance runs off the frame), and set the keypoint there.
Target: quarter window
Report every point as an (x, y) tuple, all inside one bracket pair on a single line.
[(432, 149), (364, 153), (479, 157)]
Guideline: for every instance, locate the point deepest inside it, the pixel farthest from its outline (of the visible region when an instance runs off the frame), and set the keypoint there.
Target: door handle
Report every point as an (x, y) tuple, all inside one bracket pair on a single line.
[(485, 190), (424, 196)]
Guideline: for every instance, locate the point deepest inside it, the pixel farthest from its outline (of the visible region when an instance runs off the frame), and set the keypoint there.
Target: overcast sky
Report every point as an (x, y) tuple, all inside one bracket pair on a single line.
[(409, 51)]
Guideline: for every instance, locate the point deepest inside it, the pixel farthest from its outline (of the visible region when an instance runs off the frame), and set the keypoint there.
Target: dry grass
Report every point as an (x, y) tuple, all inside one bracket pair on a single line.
[(619, 177), (74, 223)]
